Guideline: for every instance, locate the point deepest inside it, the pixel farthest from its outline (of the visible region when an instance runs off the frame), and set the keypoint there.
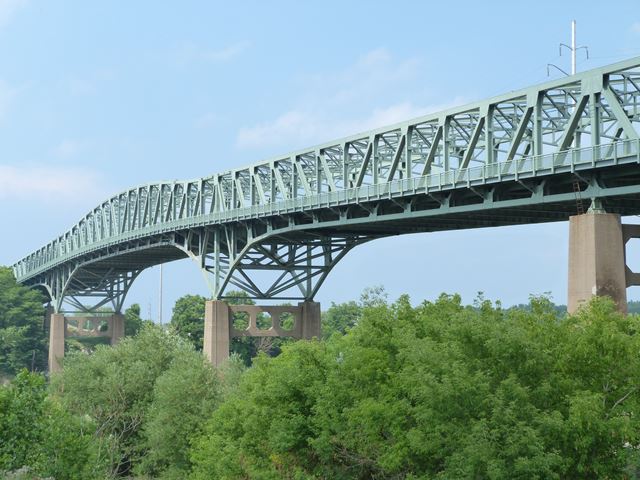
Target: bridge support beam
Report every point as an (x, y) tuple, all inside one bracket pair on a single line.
[(116, 327), (311, 327), (58, 331), (219, 324), (217, 337), (596, 259)]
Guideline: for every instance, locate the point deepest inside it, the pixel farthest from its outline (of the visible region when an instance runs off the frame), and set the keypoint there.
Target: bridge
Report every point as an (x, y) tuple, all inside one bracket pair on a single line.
[(275, 229)]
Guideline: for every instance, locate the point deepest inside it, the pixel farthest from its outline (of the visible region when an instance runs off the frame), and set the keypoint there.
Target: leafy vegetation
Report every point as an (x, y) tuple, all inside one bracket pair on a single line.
[(39, 437), (22, 336), (132, 391), (440, 390)]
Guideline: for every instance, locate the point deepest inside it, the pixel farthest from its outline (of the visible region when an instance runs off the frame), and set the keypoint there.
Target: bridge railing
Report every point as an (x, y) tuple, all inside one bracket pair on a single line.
[(566, 161)]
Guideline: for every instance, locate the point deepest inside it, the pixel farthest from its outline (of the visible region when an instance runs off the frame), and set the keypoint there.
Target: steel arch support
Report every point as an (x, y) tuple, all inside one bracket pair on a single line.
[(71, 287), (290, 265), (284, 266)]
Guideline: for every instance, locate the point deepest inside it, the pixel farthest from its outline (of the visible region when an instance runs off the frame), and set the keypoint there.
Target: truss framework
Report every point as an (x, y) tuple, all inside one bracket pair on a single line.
[(499, 137)]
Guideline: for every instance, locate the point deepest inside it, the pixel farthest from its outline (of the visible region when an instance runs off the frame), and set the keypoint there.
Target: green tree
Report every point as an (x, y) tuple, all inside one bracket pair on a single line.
[(187, 319), (39, 438), (22, 337), (21, 409), (132, 320), (340, 318), (142, 395), (439, 391), (183, 396)]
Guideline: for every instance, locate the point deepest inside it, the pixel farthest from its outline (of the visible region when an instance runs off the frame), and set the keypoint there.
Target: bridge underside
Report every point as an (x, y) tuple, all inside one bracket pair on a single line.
[(287, 257)]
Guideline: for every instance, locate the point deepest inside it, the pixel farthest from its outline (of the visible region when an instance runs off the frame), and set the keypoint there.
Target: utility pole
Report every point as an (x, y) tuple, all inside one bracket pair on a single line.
[(574, 50), (573, 47), (160, 301)]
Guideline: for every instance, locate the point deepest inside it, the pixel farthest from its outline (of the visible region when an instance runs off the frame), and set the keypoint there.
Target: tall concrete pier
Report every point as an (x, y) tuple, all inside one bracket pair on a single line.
[(597, 259)]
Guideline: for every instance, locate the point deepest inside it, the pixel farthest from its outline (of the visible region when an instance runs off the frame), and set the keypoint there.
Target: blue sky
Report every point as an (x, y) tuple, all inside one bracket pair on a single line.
[(96, 97)]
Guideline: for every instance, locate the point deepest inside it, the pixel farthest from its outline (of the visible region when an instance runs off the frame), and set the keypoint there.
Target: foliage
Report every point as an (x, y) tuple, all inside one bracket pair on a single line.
[(144, 395), (183, 396), (21, 408), (133, 322), (633, 306), (187, 319), (22, 337), (340, 318), (439, 391), (37, 437)]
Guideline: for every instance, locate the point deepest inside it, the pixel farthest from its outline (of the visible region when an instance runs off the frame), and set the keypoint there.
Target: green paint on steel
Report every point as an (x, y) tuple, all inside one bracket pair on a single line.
[(227, 222)]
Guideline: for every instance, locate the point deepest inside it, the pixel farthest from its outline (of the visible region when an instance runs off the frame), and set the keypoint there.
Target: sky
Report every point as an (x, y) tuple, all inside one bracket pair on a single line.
[(96, 97)]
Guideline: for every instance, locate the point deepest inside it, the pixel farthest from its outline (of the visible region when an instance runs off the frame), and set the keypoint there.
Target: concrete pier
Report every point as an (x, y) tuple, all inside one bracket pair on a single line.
[(59, 330), (57, 333), (596, 259), (219, 328), (311, 326), (217, 337), (116, 328)]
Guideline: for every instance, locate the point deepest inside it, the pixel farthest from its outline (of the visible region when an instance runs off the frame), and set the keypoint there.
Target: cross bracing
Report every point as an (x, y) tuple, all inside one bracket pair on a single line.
[(275, 229)]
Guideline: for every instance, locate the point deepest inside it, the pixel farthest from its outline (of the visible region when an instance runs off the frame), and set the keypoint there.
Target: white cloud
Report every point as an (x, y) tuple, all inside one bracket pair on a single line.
[(189, 52), (68, 148), (375, 91), (43, 182), (635, 27), (8, 8)]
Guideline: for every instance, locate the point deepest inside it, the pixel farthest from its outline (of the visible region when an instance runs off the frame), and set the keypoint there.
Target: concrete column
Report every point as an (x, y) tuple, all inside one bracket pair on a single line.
[(596, 259), (117, 328), (217, 334), (57, 329), (310, 319)]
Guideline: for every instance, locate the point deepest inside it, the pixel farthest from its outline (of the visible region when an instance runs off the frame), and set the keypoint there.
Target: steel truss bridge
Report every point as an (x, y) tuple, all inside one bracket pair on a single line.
[(275, 229)]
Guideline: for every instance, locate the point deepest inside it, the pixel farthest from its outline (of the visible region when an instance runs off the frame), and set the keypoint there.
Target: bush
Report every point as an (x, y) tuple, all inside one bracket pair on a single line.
[(37, 437), (439, 390), (146, 395)]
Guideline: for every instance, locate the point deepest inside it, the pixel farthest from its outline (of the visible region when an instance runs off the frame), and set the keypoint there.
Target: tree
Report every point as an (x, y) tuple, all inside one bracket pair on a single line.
[(38, 437), (187, 319), (131, 392), (22, 337), (439, 391), (340, 318), (21, 409), (132, 320), (183, 396)]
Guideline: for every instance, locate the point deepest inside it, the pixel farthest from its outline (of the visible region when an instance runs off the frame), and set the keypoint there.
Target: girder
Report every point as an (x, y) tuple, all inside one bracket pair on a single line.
[(293, 217)]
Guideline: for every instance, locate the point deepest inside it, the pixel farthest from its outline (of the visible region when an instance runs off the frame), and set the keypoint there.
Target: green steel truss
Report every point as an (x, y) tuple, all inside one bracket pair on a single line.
[(276, 228)]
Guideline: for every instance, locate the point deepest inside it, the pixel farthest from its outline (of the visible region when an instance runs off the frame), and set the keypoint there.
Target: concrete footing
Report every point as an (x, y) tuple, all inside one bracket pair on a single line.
[(59, 329), (596, 260), (301, 321)]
